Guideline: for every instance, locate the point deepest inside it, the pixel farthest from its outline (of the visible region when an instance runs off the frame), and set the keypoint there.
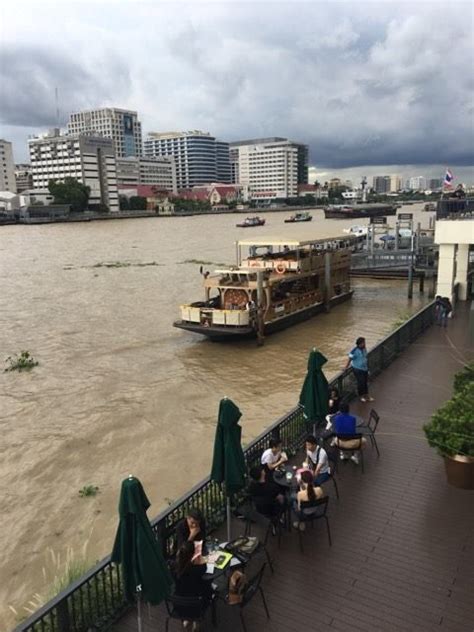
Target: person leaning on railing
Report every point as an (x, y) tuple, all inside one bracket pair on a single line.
[(358, 362)]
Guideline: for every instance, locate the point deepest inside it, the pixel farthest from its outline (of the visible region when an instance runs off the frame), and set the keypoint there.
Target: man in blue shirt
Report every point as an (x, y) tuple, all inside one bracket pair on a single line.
[(346, 424), (358, 362)]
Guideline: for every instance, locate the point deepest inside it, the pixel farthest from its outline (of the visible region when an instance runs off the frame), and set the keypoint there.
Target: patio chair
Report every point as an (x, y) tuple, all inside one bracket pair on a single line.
[(253, 586), (252, 516), (369, 427), (189, 609), (359, 446), (312, 511), (333, 463)]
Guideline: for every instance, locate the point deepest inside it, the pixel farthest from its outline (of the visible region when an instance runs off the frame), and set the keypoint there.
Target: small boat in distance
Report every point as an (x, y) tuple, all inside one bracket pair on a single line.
[(300, 216), (249, 222), (357, 230), (340, 211)]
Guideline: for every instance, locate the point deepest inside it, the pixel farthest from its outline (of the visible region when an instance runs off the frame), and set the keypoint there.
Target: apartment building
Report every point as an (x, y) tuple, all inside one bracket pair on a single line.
[(122, 126), (159, 172), (23, 177), (7, 167), (417, 183), (198, 156), (271, 168), (88, 159), (387, 184)]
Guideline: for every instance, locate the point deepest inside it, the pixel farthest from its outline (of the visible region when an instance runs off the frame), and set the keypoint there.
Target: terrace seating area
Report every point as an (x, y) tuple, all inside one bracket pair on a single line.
[(402, 554)]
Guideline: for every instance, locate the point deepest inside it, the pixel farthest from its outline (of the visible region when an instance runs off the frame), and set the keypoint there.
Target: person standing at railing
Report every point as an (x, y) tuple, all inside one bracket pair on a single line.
[(358, 362)]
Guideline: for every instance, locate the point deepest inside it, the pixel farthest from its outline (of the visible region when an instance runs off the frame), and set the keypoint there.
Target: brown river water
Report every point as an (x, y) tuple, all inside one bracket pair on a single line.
[(118, 390)]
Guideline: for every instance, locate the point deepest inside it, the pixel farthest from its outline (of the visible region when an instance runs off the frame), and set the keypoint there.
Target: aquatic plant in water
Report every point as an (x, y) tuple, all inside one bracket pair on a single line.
[(23, 361), (89, 490)]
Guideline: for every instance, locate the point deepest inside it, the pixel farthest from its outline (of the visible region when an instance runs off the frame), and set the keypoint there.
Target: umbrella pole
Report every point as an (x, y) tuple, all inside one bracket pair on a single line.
[(228, 519), (139, 612)]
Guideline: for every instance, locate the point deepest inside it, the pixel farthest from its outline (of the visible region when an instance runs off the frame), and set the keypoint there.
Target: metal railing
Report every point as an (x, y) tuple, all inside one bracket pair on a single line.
[(96, 600)]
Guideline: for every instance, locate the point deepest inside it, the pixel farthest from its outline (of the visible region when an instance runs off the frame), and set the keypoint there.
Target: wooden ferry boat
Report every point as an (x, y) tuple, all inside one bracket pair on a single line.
[(290, 281)]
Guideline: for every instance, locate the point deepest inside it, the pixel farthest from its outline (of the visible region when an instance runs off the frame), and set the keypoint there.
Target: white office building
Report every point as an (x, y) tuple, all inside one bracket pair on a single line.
[(23, 177), (418, 183), (7, 167), (198, 156), (88, 159), (159, 172), (122, 126), (271, 168)]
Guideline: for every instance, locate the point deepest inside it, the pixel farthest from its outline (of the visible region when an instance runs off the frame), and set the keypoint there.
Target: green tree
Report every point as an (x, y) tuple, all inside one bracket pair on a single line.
[(137, 203), (72, 192), (124, 203)]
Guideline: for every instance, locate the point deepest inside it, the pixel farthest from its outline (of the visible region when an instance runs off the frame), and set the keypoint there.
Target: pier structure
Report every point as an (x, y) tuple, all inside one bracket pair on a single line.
[(455, 237)]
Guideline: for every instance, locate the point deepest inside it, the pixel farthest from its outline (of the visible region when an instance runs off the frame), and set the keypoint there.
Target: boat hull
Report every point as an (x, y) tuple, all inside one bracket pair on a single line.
[(222, 333), (355, 213), (296, 221)]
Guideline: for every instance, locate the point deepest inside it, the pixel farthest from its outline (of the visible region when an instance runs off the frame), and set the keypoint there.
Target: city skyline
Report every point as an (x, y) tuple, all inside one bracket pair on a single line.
[(363, 84)]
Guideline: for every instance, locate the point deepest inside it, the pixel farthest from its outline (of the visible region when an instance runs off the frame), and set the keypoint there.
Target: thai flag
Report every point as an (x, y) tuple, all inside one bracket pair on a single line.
[(448, 179)]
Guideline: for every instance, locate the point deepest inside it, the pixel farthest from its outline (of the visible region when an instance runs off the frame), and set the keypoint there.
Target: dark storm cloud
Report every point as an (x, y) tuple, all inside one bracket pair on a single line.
[(29, 77), (361, 83)]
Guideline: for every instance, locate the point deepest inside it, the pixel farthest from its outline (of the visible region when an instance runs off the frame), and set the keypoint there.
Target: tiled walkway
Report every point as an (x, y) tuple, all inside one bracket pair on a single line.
[(403, 540)]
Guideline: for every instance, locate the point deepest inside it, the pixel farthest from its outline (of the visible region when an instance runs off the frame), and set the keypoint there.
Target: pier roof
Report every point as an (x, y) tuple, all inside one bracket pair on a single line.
[(295, 243)]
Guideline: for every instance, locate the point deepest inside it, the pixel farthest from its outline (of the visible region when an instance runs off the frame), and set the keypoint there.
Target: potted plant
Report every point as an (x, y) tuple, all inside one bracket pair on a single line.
[(451, 431)]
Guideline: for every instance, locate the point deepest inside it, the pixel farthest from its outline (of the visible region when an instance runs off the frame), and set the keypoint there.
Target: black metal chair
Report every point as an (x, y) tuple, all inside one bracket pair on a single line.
[(358, 447), (369, 427), (268, 526), (312, 511), (189, 609), (253, 586), (333, 463)]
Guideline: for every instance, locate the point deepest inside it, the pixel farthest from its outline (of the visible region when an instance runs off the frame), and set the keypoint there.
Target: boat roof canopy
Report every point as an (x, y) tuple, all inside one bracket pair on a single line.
[(247, 271), (295, 243)]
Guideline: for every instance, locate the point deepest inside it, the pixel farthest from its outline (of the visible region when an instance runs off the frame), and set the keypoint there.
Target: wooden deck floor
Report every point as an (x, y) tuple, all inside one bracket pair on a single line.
[(403, 540)]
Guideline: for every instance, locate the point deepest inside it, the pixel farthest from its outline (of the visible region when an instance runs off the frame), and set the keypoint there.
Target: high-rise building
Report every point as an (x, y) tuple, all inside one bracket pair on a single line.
[(88, 159), (199, 157), (122, 126), (395, 184), (7, 167), (417, 183), (159, 172), (23, 177), (271, 168), (381, 184), (435, 183)]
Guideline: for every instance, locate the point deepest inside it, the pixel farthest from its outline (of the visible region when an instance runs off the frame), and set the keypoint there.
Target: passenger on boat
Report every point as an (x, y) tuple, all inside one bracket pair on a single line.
[(273, 457)]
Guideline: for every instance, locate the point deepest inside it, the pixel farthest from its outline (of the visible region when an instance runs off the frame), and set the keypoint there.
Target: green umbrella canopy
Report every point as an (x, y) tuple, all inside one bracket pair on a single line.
[(137, 549), (314, 394), (228, 464)]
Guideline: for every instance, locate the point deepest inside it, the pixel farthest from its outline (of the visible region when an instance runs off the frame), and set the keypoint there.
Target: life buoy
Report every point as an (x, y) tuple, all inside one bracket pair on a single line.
[(280, 267)]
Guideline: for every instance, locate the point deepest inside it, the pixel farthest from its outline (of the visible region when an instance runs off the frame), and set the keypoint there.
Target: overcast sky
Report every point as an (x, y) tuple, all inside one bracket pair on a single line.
[(376, 84)]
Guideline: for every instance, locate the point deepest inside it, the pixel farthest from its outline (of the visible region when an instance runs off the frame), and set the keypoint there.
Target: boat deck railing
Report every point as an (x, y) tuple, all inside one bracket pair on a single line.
[(96, 600)]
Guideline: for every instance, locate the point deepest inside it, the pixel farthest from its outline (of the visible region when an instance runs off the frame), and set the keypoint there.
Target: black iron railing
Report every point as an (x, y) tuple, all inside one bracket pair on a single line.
[(96, 600)]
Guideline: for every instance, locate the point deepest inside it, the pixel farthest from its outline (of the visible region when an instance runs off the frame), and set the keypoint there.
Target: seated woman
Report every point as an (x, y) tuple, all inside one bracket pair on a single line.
[(192, 528), (307, 493), (189, 571), (266, 495)]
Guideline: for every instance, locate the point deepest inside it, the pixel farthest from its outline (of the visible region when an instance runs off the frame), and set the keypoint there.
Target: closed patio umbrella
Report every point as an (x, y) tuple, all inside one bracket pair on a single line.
[(314, 396), (228, 463), (144, 570)]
